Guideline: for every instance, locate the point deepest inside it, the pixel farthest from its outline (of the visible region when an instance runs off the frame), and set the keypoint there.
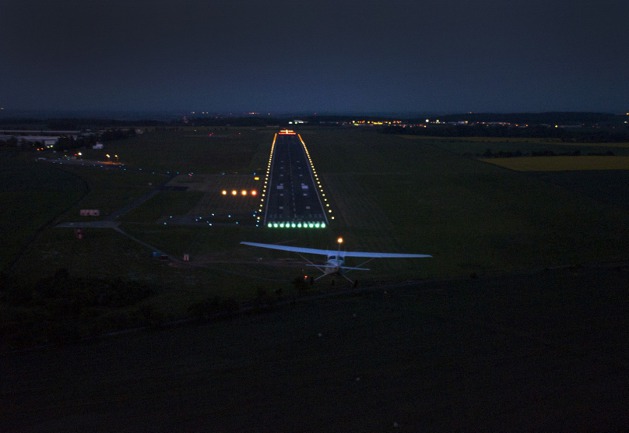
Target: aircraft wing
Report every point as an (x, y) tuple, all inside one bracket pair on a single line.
[(371, 255), (292, 249), (327, 253)]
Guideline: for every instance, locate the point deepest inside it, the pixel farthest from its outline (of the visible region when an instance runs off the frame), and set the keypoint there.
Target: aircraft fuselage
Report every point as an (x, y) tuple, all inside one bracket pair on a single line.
[(334, 265)]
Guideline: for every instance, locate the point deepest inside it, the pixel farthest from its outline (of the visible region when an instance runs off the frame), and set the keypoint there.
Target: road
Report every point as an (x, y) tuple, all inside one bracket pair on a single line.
[(294, 194)]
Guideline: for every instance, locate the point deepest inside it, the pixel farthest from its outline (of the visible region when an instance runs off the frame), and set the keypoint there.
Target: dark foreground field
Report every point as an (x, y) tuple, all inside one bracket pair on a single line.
[(537, 352)]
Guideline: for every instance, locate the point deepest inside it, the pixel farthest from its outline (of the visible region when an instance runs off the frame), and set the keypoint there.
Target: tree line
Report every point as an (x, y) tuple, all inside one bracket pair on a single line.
[(566, 135)]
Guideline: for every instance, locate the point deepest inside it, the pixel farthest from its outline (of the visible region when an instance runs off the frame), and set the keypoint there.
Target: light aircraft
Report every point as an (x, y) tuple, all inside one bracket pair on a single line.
[(335, 263)]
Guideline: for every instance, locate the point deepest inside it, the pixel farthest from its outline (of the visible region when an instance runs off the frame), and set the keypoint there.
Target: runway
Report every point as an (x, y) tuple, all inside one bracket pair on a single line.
[(294, 196)]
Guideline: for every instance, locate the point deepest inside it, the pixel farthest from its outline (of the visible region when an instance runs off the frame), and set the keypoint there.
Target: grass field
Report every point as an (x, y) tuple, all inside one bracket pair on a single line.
[(472, 216), (539, 352), (200, 150), (32, 196), (562, 163), (535, 340), (388, 193), (476, 146)]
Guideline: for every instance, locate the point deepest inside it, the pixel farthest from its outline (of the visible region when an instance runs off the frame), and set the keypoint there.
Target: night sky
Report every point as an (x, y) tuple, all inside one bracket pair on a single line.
[(318, 56)]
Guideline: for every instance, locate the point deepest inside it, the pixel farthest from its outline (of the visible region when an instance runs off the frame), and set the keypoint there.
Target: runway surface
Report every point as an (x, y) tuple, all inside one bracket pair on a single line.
[(293, 195)]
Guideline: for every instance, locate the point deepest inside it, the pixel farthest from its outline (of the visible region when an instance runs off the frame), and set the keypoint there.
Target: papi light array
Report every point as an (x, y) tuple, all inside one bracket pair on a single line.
[(242, 192)]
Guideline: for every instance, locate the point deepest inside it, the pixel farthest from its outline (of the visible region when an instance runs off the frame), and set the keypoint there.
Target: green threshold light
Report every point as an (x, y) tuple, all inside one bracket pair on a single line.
[(296, 225)]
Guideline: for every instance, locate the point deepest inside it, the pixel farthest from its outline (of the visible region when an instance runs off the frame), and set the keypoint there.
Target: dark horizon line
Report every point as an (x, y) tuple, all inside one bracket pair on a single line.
[(142, 113)]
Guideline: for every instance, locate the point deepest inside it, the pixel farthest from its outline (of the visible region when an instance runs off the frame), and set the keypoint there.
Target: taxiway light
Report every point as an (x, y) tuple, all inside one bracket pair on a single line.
[(340, 240), (254, 192), (243, 192), (224, 192), (234, 192)]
